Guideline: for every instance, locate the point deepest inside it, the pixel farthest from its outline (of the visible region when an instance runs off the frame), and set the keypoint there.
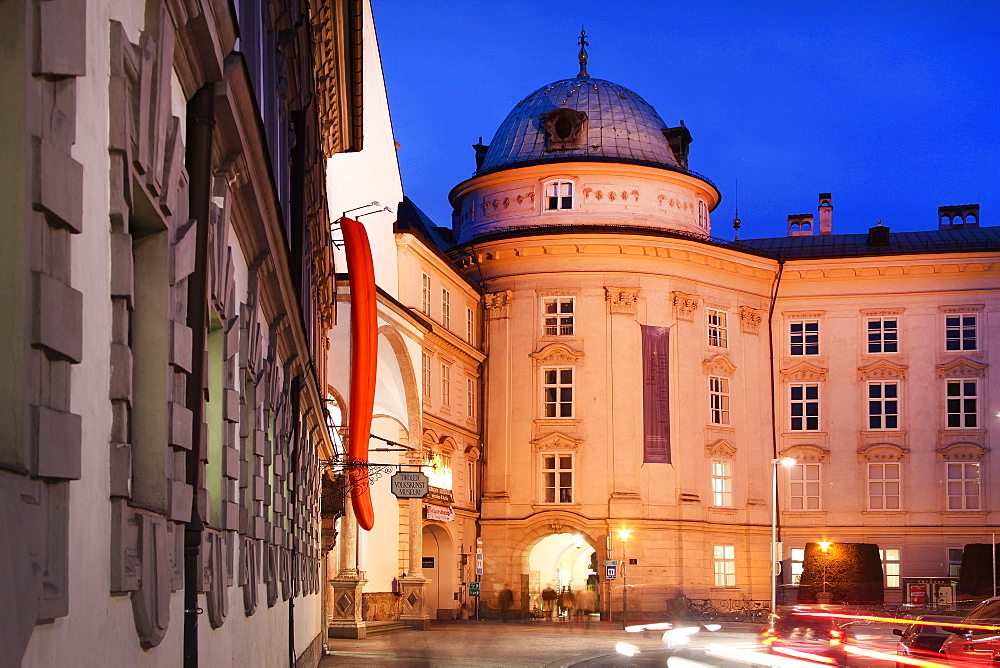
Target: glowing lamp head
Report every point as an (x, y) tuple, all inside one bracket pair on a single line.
[(787, 461), (825, 545), (623, 534)]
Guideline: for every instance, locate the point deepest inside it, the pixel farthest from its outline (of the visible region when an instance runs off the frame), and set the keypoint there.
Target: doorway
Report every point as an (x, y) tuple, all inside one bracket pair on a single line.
[(561, 561), (438, 559)]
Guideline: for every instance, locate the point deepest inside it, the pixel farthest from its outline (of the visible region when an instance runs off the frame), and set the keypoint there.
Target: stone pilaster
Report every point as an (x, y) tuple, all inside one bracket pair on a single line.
[(345, 619)]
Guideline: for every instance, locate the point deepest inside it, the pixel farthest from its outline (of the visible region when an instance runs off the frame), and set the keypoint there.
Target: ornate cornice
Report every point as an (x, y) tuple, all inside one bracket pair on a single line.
[(718, 365), (964, 451), (750, 318), (498, 304), (882, 369), (883, 452), (802, 372), (684, 304), (963, 367), (721, 448), (555, 441), (556, 353), (806, 454), (961, 308), (621, 301)]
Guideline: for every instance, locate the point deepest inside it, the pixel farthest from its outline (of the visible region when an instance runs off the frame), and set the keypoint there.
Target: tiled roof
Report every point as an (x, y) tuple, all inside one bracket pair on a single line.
[(840, 245)]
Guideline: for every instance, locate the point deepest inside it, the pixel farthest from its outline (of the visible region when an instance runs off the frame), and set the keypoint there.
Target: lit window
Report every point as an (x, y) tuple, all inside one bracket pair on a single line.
[(559, 195), (470, 393), (890, 566), (717, 333), (557, 392), (963, 486), (445, 385), (883, 335), (425, 294), (798, 557), (557, 478), (804, 407), (722, 482), (446, 309), (559, 312), (724, 563), (718, 393), (804, 337), (962, 403), (426, 371), (883, 405), (955, 561), (960, 331), (470, 327), (883, 486), (804, 489)]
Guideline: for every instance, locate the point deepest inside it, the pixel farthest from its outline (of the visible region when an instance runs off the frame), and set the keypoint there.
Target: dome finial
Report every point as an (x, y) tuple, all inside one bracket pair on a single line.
[(583, 52)]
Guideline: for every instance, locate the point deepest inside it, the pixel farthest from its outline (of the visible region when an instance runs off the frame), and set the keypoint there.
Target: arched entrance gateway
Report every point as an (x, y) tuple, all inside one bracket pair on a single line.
[(438, 567), (560, 561)]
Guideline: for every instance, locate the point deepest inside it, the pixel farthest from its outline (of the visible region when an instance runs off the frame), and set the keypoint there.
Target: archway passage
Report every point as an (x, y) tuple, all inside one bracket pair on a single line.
[(564, 562), (439, 568)]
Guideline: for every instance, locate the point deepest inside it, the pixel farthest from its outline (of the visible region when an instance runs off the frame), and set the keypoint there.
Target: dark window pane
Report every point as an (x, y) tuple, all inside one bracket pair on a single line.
[(812, 392), (565, 410), (796, 392), (796, 424), (796, 410), (874, 391), (873, 325), (874, 422), (812, 423), (891, 422), (970, 389), (954, 389), (566, 376), (812, 409), (891, 389)]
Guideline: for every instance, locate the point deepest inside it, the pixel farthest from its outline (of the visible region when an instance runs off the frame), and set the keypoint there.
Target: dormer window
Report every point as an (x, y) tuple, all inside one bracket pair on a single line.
[(558, 195), (563, 128)]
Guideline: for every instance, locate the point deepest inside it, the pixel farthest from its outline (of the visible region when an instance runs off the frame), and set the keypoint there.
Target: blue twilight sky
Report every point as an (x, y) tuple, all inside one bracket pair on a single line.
[(893, 107)]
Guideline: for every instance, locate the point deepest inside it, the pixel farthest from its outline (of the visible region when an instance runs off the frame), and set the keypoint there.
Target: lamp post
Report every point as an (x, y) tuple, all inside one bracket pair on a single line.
[(623, 534), (825, 546), (784, 461)]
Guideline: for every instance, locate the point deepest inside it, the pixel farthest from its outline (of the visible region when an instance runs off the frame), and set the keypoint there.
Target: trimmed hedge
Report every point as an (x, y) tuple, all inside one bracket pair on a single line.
[(976, 575), (853, 573)]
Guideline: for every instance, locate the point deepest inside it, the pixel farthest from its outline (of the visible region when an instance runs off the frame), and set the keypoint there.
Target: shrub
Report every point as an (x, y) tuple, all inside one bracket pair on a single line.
[(853, 573), (976, 575)]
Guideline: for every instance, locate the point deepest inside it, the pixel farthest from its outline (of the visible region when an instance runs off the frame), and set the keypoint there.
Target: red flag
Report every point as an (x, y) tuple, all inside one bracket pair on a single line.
[(364, 353)]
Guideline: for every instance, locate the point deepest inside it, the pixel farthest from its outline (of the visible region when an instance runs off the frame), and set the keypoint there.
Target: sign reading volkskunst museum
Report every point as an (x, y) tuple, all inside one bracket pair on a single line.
[(409, 484)]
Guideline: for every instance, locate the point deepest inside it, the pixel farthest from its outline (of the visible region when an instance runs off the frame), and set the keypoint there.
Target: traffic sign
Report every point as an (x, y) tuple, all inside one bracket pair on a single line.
[(409, 485), (473, 589), (611, 562), (479, 563), (611, 572)]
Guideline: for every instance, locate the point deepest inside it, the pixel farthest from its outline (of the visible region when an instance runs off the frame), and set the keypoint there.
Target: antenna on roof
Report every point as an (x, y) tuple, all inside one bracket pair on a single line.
[(736, 215), (583, 52)]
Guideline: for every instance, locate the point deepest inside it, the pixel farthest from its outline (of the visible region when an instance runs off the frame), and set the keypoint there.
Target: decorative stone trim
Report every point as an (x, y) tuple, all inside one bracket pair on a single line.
[(498, 304), (556, 353), (962, 367), (621, 301), (555, 441), (962, 451), (806, 453), (883, 452), (684, 304), (881, 311), (797, 315), (804, 372), (750, 318), (721, 448), (718, 365), (961, 308), (882, 369)]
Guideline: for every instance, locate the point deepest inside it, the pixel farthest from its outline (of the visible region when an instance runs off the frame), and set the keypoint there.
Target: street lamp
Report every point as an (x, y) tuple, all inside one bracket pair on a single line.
[(825, 546), (623, 534), (784, 461)]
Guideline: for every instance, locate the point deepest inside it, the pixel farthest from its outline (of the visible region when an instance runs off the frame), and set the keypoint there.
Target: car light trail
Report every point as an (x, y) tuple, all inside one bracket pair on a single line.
[(898, 658), (894, 620), (755, 658), (626, 649), (815, 658)]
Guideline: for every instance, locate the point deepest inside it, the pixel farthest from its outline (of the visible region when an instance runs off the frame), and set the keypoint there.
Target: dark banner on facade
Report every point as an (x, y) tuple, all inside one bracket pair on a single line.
[(655, 395)]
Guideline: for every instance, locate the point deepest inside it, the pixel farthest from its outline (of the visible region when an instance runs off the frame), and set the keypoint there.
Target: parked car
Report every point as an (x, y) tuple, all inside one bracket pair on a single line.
[(976, 645), (807, 633), (924, 637)]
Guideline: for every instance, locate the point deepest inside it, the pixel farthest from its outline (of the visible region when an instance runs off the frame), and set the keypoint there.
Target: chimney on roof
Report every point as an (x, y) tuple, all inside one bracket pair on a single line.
[(679, 140), (878, 235), (958, 217), (825, 213), (800, 225), (481, 150)]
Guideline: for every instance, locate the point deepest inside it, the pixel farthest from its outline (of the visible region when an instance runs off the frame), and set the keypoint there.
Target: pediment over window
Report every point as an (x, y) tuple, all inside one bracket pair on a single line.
[(472, 452), (750, 318), (882, 369), (557, 353), (962, 452), (804, 371), (718, 365), (883, 452), (684, 304), (555, 441), (721, 448), (806, 454), (963, 367)]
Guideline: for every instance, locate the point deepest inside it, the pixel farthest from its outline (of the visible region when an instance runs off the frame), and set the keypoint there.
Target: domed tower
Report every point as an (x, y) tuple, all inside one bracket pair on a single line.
[(589, 234)]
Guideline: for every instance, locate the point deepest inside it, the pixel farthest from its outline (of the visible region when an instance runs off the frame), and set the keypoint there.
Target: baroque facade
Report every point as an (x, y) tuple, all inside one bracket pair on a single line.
[(169, 288)]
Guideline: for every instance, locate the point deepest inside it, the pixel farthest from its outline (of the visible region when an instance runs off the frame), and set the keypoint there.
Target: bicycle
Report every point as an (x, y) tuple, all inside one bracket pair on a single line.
[(700, 608)]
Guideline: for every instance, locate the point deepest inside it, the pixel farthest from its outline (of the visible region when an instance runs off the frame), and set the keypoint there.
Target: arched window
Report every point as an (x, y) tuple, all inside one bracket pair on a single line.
[(558, 195)]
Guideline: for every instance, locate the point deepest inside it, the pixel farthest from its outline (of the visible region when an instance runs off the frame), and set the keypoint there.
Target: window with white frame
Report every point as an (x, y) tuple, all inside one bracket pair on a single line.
[(445, 384), (558, 195), (722, 483), (797, 557), (557, 477), (883, 486), (803, 337), (718, 394), (718, 334), (446, 308), (883, 335), (470, 327), (426, 374), (960, 331), (962, 402), (724, 565), (955, 561), (883, 405), (804, 487), (470, 396), (425, 294), (803, 406), (891, 566), (559, 315), (557, 392), (963, 485), (473, 476)]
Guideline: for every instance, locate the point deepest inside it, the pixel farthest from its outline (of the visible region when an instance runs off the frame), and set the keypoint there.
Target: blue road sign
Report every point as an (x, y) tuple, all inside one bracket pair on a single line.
[(611, 572)]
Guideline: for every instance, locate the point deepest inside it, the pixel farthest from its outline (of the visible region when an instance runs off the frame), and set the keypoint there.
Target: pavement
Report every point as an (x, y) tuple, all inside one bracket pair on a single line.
[(451, 644)]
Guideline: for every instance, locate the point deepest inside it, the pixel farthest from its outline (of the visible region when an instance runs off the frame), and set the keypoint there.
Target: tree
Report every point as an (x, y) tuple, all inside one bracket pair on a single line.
[(852, 573), (975, 578)]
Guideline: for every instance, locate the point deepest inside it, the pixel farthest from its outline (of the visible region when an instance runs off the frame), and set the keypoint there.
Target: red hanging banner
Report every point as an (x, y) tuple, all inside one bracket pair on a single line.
[(364, 353)]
